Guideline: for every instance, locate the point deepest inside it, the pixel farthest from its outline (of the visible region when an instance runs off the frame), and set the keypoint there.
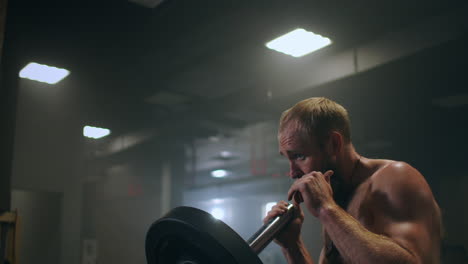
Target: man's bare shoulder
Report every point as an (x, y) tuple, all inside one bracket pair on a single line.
[(402, 186), (378, 164), (404, 209), (398, 174)]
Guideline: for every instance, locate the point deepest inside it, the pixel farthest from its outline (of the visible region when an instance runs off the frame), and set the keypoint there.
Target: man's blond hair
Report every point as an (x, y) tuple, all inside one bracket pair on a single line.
[(317, 117)]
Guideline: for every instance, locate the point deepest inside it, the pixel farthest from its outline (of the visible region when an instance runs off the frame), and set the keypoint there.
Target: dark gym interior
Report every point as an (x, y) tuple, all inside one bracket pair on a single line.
[(188, 88)]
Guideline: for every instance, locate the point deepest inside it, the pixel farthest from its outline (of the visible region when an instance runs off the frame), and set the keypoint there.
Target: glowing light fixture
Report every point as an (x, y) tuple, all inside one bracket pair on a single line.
[(214, 138), (217, 213), (225, 154), (43, 73), (298, 42), (95, 132), (217, 201), (219, 173)]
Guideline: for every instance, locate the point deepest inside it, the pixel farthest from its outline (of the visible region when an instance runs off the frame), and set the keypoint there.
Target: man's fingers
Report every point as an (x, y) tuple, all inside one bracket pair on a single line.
[(293, 189), (297, 198), (328, 175), (279, 209), (290, 194)]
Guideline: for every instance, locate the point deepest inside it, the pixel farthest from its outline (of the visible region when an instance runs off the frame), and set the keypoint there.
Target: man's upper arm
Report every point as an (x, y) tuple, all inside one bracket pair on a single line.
[(405, 210)]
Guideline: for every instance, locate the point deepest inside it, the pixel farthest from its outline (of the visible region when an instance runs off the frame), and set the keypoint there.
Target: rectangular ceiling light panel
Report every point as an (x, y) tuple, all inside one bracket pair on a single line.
[(298, 43), (43, 73), (95, 132)]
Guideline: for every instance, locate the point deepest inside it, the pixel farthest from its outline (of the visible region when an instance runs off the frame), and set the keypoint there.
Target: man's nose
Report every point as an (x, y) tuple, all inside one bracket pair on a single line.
[(294, 171)]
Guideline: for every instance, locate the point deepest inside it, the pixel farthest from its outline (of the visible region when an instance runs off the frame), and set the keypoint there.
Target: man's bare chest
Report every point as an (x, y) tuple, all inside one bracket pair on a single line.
[(360, 205)]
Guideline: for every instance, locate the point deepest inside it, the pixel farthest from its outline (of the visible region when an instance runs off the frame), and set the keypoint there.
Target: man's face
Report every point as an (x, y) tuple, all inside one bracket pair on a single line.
[(305, 155)]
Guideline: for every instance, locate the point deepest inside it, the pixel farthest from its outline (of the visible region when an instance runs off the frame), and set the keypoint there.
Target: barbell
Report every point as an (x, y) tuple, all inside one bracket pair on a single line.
[(188, 235)]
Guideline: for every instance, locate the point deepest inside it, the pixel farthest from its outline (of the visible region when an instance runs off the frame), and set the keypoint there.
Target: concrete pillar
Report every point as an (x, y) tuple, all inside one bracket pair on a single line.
[(72, 203)]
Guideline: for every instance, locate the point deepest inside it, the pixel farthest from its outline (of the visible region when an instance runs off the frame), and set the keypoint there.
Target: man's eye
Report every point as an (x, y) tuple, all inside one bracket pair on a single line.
[(299, 157)]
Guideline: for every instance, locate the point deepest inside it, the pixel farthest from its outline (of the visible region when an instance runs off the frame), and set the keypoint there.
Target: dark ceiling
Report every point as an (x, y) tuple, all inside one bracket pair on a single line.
[(209, 57)]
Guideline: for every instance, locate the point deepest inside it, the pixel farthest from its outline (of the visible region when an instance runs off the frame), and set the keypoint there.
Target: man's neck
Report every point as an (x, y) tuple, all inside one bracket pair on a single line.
[(349, 165)]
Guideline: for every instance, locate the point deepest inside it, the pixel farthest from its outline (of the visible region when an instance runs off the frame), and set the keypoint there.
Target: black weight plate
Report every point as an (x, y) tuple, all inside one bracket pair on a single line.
[(188, 235)]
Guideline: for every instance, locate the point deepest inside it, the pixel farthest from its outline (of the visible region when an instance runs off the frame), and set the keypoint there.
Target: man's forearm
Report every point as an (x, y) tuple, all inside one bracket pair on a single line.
[(357, 244), (297, 254)]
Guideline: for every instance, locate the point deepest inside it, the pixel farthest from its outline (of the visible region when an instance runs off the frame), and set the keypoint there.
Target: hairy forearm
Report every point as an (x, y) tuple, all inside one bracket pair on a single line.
[(297, 254), (356, 244)]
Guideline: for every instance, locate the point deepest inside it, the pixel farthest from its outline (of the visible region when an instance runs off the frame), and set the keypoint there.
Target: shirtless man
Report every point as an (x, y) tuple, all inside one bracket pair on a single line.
[(371, 210)]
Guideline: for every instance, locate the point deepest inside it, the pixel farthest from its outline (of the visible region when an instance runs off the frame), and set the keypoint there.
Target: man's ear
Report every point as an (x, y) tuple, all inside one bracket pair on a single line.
[(335, 142)]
